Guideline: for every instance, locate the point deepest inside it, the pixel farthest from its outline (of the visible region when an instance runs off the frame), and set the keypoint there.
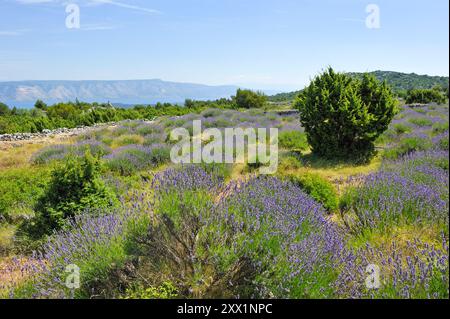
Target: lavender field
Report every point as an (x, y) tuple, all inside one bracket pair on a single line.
[(161, 230)]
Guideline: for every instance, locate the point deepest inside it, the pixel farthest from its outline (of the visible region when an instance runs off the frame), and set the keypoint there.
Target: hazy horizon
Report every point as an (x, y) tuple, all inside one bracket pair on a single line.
[(267, 89)]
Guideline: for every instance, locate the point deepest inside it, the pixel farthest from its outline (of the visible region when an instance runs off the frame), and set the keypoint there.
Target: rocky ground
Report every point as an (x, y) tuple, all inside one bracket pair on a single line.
[(59, 132), (51, 133)]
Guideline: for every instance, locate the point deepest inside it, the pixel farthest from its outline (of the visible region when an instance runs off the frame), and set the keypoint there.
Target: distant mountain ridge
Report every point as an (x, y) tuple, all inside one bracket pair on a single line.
[(130, 92), (25, 93), (397, 80)]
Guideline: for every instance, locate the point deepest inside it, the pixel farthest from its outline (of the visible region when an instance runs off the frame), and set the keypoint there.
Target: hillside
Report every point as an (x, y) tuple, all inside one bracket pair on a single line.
[(25, 93), (405, 81), (400, 82)]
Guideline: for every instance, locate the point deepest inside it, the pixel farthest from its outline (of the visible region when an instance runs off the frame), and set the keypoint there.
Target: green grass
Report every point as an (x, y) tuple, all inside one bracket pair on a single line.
[(127, 140), (440, 127), (318, 188)]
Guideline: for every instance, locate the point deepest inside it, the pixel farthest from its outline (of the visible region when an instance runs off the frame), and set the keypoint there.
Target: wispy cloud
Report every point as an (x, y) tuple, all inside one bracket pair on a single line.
[(12, 33), (97, 27), (126, 6), (34, 1), (351, 20)]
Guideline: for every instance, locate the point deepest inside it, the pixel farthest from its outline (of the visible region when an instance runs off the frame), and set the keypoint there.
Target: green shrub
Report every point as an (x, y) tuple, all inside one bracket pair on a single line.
[(4, 109), (248, 99), (318, 188), (343, 116), (425, 96), (293, 140), (73, 188)]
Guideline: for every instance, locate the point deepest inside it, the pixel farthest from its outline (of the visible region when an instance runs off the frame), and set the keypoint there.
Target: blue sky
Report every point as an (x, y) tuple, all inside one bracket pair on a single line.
[(267, 44)]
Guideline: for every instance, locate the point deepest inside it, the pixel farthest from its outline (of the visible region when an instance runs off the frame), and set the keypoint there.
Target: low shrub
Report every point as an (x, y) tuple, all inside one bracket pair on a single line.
[(248, 99), (421, 121), (128, 160), (51, 153), (425, 96), (73, 188), (19, 191), (122, 165), (293, 140), (96, 148)]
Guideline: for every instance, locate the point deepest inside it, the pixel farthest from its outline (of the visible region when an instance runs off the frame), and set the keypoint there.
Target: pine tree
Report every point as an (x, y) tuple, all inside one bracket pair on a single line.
[(343, 116)]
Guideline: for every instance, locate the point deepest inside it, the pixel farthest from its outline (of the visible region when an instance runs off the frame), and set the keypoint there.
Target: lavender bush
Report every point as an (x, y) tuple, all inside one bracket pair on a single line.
[(411, 190), (283, 232), (132, 158), (419, 271)]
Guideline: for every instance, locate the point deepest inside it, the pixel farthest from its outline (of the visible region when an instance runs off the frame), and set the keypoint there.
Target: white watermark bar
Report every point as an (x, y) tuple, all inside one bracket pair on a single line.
[(213, 146)]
